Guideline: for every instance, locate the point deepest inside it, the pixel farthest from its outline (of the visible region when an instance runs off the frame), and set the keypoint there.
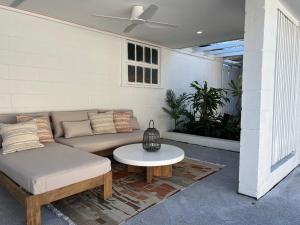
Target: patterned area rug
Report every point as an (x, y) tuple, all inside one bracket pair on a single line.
[(131, 194)]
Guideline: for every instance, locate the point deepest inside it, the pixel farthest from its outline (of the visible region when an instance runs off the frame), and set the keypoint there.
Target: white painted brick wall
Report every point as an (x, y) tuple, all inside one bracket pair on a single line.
[(47, 65)]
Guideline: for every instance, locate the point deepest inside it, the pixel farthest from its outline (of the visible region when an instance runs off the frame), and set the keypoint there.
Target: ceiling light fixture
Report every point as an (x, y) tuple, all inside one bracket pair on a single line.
[(199, 32)]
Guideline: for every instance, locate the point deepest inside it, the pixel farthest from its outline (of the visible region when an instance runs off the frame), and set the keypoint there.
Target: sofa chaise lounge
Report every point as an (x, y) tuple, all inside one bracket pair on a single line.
[(60, 169)]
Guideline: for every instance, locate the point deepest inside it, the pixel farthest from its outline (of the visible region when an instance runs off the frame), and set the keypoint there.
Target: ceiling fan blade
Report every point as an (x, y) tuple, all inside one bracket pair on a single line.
[(16, 3), (149, 12), (113, 17), (130, 28), (155, 24)]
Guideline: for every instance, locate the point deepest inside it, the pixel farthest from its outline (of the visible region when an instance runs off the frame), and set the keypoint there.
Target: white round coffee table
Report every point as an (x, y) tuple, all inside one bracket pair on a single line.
[(155, 163)]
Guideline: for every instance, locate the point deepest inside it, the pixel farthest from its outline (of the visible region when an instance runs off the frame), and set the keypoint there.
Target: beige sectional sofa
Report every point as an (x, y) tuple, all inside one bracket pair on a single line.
[(64, 167)]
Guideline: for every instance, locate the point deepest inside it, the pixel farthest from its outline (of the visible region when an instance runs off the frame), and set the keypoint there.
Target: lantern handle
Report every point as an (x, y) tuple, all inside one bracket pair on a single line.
[(151, 121)]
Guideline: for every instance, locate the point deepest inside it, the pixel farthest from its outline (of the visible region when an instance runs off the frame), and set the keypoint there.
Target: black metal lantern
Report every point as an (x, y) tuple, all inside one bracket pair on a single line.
[(151, 140)]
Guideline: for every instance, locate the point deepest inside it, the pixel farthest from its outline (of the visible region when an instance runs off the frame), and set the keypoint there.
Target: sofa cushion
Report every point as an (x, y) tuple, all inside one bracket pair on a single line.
[(77, 128), (102, 141), (19, 137), (11, 118), (59, 117), (102, 123), (8, 118), (134, 123), (54, 166), (122, 122), (43, 126)]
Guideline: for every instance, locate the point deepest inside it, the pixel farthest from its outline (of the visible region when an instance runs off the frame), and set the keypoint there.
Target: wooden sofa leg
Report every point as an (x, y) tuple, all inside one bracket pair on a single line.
[(33, 211), (107, 186)]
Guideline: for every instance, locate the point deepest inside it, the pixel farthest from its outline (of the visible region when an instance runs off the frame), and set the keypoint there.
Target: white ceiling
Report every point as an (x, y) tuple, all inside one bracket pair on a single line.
[(220, 20), (293, 6)]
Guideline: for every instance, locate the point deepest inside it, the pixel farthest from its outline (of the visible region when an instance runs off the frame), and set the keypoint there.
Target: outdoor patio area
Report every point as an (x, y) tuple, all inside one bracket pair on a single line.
[(213, 200), (167, 112)]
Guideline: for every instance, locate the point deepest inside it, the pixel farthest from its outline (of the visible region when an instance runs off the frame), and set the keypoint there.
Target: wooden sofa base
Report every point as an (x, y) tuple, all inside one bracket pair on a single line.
[(33, 203)]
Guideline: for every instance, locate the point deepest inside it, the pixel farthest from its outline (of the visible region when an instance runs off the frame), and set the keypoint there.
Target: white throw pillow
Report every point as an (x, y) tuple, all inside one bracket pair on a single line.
[(19, 137)]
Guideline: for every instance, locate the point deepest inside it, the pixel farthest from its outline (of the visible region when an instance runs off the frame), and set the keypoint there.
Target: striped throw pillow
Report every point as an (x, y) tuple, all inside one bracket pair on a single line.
[(122, 122), (103, 123), (19, 137), (43, 127)]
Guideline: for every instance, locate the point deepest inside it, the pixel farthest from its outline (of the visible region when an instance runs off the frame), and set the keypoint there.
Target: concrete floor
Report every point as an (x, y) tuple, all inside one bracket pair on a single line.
[(211, 201), (214, 200)]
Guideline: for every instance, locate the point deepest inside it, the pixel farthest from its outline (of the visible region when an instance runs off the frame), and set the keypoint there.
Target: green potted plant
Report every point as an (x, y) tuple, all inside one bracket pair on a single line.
[(236, 90), (176, 106), (206, 100)]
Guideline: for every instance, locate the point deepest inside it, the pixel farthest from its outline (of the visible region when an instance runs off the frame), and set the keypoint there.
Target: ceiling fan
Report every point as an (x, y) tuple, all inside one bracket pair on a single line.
[(140, 16)]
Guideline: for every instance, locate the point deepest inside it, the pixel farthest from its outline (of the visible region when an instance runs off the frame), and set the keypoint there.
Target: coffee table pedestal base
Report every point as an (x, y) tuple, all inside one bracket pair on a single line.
[(154, 171)]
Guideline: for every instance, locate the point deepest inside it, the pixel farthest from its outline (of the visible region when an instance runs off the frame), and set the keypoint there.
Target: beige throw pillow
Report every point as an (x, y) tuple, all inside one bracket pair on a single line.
[(122, 122), (43, 127), (77, 128), (19, 137), (103, 123)]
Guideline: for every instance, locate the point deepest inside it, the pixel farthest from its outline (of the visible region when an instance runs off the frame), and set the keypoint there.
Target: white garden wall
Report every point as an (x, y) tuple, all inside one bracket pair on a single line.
[(46, 64), (230, 73)]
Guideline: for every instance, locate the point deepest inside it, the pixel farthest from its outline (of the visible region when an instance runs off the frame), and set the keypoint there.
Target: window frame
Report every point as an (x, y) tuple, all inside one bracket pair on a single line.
[(144, 65)]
